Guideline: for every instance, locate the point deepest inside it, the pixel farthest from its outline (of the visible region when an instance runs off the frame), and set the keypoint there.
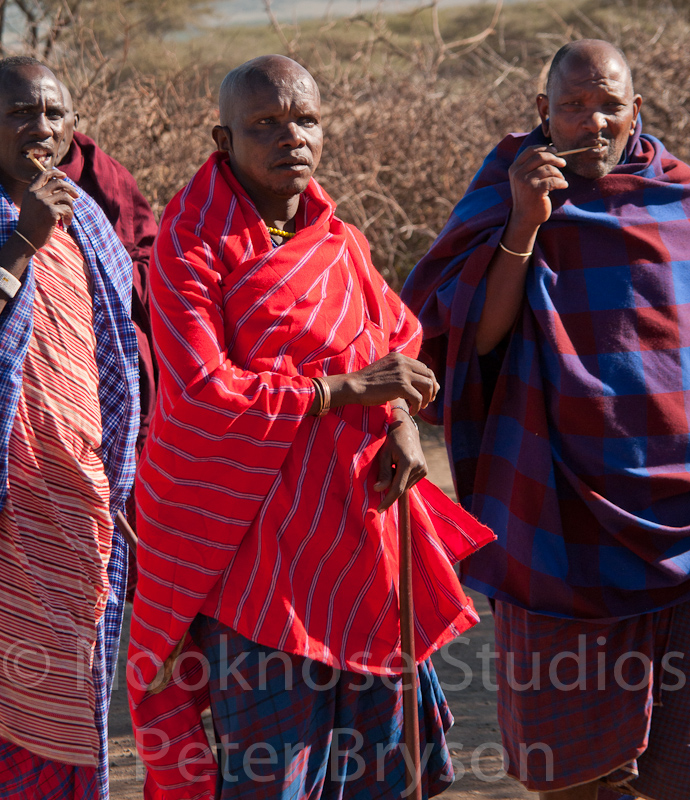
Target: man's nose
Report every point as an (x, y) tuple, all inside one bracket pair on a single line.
[(595, 121), (293, 135), (43, 126)]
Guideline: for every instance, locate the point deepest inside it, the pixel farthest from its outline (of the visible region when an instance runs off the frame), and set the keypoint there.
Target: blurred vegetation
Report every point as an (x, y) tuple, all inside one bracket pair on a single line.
[(413, 102)]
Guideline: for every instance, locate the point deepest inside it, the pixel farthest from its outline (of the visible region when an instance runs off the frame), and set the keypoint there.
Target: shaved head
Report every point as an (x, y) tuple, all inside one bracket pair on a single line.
[(273, 70), (12, 65), (584, 52)]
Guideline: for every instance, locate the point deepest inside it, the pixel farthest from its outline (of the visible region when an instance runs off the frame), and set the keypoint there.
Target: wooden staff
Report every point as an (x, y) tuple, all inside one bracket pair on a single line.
[(127, 531), (409, 676)]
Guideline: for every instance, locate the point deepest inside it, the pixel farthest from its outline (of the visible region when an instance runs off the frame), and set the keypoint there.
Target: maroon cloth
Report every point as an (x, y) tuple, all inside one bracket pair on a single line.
[(117, 193)]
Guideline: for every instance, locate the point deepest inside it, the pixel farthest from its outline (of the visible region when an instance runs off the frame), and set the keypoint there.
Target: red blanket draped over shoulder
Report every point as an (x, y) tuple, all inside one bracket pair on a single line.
[(248, 510)]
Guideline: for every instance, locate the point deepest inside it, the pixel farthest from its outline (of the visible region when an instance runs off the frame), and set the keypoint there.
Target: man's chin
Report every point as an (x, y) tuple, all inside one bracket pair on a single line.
[(293, 187), (591, 169)]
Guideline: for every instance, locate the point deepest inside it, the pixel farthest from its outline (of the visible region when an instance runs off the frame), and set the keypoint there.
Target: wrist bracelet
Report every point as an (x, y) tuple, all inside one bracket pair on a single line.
[(513, 253), (407, 411), (324, 392), (31, 245), (8, 283)]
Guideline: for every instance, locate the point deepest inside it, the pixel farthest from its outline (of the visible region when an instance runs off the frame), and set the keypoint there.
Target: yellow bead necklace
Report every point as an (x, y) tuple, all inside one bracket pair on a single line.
[(278, 232)]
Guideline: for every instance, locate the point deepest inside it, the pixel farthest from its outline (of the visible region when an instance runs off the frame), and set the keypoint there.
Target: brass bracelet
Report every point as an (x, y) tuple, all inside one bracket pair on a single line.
[(318, 392), (513, 253), (325, 396)]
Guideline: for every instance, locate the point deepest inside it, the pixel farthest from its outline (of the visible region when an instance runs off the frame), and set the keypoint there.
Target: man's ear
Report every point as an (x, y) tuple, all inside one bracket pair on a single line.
[(637, 104), (222, 136), (543, 109), (76, 118)]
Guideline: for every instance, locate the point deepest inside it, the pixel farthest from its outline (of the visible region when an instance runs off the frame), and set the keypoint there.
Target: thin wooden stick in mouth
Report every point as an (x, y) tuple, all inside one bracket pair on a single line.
[(578, 150), (36, 162)]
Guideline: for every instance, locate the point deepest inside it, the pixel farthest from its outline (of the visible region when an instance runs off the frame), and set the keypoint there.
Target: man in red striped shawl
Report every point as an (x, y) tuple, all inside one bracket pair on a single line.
[(282, 437)]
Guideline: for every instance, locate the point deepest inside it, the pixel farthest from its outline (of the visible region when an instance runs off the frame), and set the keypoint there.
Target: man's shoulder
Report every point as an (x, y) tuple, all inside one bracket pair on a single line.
[(96, 159), (495, 167)]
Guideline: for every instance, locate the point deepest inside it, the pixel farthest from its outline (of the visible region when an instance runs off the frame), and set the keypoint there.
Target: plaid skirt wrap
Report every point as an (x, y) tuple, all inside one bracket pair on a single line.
[(292, 728), (571, 439)]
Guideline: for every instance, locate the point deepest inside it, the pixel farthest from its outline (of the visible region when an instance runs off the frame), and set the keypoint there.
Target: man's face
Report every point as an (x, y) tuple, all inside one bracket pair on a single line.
[(274, 137), (31, 121), (591, 102)]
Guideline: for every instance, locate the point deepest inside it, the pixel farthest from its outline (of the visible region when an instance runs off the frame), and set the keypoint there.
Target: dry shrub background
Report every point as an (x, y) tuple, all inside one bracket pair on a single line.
[(406, 128)]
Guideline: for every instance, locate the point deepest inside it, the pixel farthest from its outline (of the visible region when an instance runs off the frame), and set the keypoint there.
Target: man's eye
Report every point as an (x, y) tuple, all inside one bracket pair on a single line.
[(266, 121), (309, 122)]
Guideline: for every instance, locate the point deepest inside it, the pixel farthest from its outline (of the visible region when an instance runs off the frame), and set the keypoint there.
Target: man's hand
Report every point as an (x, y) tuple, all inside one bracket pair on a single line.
[(392, 377), (47, 199), (401, 461), (533, 174)]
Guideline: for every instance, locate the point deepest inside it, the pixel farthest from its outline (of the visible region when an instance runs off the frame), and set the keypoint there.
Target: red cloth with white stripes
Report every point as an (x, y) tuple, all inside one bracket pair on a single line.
[(248, 510), (55, 527)]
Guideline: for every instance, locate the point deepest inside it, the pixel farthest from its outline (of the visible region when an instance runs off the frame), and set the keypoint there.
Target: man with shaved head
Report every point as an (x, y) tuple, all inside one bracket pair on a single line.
[(68, 371), (282, 437), (555, 306)]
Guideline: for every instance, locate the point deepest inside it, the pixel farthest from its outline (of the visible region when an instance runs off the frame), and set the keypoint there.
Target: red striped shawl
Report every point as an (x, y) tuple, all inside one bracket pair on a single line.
[(248, 510)]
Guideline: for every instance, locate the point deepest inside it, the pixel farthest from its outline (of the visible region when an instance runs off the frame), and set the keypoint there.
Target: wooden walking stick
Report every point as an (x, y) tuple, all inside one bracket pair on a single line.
[(127, 531), (409, 676)]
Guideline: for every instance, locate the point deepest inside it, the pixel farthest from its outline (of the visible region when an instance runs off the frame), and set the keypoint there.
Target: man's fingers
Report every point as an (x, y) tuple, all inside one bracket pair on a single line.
[(397, 488), (415, 401), (385, 474)]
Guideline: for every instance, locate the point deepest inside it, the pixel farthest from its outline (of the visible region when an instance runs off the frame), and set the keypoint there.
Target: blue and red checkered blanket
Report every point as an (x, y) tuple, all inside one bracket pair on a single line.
[(571, 439)]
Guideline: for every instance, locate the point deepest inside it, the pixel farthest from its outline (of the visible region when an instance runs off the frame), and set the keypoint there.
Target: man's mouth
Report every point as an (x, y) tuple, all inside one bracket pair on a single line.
[(596, 148), (40, 154), (297, 164)]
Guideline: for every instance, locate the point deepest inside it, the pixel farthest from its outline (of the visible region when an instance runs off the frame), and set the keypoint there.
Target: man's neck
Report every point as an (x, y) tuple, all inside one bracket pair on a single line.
[(279, 214)]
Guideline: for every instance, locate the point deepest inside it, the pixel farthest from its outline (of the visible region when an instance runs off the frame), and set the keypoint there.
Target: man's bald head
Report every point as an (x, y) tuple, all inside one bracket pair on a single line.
[(272, 70), (583, 52), (11, 66)]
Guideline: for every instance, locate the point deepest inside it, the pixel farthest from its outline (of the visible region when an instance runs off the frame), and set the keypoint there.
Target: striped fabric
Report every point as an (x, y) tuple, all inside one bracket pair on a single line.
[(572, 439), (109, 270), (248, 511), (55, 526)]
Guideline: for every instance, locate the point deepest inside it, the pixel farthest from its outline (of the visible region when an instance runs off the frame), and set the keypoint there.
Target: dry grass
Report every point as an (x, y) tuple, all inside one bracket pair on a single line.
[(409, 119)]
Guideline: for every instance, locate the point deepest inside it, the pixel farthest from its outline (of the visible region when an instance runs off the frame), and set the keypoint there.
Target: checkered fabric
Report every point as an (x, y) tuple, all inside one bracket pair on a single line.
[(334, 734), (571, 440), (25, 776), (603, 700)]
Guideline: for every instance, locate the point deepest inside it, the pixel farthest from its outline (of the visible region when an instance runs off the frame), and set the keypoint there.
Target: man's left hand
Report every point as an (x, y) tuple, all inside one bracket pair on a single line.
[(401, 461)]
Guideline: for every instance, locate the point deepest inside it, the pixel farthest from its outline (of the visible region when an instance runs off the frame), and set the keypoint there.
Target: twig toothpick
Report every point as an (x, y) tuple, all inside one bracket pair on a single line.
[(578, 150), (37, 162)]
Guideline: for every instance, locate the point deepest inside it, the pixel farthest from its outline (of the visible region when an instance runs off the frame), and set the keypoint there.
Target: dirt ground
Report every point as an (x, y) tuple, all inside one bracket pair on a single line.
[(463, 667)]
